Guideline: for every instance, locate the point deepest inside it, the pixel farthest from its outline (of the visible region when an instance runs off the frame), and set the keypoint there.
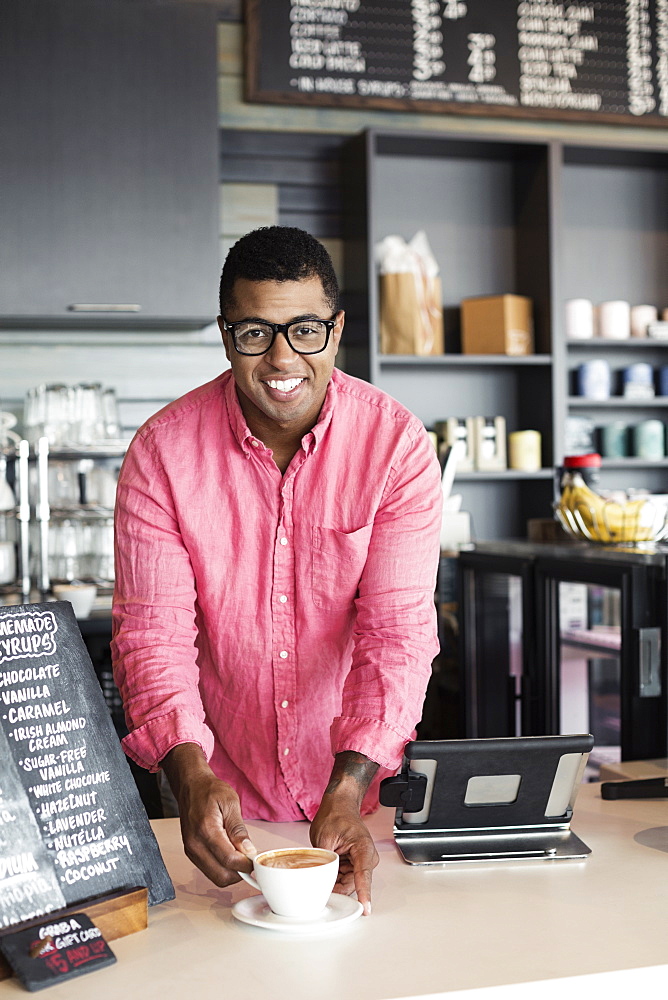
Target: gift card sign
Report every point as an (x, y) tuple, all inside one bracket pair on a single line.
[(49, 953), (72, 824)]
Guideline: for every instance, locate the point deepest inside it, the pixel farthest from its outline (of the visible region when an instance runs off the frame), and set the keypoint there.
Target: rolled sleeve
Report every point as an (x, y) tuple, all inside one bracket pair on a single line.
[(148, 744), (376, 740)]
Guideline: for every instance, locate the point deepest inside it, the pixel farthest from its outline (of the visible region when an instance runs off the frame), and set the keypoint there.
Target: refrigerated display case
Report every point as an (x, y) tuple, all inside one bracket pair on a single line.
[(568, 638)]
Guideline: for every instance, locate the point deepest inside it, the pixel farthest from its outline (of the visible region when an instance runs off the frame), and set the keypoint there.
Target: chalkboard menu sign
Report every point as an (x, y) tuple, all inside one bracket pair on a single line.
[(72, 825), (591, 60)]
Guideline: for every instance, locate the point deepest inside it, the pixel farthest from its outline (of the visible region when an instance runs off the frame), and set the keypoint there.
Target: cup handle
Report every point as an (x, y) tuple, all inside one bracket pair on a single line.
[(250, 879)]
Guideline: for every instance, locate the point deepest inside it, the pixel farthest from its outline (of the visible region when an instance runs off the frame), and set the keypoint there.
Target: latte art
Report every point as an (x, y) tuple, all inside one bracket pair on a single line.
[(297, 858)]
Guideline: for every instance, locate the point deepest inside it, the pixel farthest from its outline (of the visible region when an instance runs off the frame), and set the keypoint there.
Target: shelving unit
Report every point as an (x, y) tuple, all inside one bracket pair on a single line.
[(542, 219), (485, 206), (614, 233), (85, 552)]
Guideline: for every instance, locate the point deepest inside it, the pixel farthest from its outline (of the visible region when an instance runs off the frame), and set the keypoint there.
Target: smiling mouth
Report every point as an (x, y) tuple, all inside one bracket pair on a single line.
[(284, 385)]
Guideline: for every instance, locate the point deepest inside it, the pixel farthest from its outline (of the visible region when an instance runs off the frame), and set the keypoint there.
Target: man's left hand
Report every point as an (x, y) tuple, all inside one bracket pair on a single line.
[(338, 826)]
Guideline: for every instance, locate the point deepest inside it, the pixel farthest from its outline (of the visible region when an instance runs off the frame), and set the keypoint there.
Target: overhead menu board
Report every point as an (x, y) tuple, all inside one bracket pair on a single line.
[(72, 825), (593, 61)]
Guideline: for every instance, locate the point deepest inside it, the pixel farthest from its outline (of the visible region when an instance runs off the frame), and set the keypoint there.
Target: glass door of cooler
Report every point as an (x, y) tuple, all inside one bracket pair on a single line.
[(561, 639), (590, 668), (600, 656), (496, 615)]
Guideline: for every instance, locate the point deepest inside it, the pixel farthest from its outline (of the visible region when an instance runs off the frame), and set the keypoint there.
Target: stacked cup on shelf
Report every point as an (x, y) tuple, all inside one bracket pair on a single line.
[(613, 320), (617, 320)]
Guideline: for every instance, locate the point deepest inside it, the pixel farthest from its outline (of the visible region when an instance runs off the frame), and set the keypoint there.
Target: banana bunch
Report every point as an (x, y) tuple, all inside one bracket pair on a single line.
[(583, 512)]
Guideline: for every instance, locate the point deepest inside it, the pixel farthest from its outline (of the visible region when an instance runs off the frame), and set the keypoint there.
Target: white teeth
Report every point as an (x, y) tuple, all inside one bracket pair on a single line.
[(286, 386)]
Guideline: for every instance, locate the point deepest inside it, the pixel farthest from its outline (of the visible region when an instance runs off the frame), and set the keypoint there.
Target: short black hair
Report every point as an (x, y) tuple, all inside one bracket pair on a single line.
[(278, 253)]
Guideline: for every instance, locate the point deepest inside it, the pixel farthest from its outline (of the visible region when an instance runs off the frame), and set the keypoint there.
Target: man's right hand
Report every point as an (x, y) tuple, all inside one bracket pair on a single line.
[(214, 836)]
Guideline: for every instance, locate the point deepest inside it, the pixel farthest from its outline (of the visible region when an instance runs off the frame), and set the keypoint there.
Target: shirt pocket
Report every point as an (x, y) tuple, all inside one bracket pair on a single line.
[(338, 560)]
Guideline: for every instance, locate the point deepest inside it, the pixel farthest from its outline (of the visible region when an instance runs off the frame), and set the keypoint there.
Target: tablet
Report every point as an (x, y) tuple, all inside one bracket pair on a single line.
[(506, 799)]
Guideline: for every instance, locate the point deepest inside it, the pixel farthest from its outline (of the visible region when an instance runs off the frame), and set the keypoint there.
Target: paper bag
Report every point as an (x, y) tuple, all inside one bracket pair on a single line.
[(411, 314)]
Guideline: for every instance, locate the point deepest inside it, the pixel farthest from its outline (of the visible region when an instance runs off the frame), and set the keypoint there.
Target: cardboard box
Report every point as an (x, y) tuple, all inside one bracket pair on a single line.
[(497, 324)]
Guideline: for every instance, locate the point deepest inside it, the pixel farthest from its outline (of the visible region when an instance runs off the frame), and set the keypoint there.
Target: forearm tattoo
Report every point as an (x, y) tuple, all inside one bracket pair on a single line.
[(349, 764)]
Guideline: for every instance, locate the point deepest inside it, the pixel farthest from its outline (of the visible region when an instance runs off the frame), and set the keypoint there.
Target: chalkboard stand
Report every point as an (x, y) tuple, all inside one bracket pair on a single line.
[(116, 914)]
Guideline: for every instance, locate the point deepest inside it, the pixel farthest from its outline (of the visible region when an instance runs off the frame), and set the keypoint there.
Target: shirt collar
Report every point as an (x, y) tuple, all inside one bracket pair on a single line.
[(242, 432), (238, 423)]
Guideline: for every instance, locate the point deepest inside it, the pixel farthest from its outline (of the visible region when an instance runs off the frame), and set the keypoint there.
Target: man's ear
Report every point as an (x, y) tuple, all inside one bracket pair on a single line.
[(338, 329), (225, 335)]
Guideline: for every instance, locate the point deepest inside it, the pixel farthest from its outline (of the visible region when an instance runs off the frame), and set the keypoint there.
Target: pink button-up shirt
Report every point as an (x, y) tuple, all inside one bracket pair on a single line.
[(276, 619)]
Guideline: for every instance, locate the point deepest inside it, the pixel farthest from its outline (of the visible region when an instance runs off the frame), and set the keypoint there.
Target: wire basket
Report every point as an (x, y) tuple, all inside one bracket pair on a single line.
[(609, 522)]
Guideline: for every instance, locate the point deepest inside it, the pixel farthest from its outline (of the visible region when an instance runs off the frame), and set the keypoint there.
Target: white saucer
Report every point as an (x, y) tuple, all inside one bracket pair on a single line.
[(340, 910)]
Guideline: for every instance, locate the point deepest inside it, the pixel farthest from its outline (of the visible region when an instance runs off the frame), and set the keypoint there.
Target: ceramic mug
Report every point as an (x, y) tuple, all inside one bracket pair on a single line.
[(524, 450), (648, 440), (579, 319), (614, 320), (7, 562), (81, 596), (295, 881), (641, 317)]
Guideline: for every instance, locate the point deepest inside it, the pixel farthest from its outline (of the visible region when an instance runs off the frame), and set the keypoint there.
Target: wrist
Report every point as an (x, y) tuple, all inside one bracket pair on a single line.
[(184, 763), (351, 776)]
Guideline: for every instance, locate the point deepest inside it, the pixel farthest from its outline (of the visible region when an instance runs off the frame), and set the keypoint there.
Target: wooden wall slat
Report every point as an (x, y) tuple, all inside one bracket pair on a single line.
[(314, 198), (320, 225), (274, 170), (298, 146)]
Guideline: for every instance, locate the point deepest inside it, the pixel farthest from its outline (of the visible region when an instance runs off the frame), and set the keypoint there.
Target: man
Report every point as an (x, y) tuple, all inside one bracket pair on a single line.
[(276, 550)]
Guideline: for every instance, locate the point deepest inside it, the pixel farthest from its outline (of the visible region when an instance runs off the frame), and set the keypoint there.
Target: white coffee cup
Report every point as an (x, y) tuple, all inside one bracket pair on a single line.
[(614, 320), (80, 595), (295, 881)]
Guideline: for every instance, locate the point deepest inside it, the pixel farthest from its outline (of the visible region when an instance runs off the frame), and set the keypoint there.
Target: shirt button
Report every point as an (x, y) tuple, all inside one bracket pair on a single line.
[(256, 444), (283, 654), (284, 704), (284, 541), (282, 598), (286, 751)]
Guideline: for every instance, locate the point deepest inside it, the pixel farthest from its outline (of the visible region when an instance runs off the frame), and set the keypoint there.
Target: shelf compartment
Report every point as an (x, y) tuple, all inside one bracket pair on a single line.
[(520, 393), (615, 224)]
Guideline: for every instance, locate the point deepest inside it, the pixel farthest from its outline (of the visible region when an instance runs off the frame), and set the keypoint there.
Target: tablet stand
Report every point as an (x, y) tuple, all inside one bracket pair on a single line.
[(507, 799)]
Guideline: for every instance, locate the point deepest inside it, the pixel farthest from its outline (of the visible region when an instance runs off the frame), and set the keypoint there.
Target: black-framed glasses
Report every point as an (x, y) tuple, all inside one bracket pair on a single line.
[(256, 336)]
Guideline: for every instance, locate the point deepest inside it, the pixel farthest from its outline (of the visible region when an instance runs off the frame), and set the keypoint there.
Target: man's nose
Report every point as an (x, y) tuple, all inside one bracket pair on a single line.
[(280, 354)]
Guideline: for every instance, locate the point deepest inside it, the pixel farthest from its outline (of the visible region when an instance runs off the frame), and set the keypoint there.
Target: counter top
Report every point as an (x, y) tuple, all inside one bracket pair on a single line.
[(652, 554), (434, 931)]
